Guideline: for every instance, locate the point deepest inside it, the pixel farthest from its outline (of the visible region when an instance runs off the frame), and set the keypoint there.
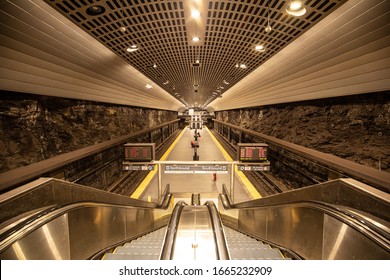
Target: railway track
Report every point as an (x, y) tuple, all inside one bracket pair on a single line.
[(129, 180), (264, 182)]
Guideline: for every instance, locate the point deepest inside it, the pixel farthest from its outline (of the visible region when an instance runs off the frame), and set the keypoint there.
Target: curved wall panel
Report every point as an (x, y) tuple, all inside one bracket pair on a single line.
[(41, 52), (347, 53)]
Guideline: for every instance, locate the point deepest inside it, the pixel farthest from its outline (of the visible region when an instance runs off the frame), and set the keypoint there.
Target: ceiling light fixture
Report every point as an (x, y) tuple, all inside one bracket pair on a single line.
[(132, 48), (243, 66), (260, 48), (148, 86), (95, 10), (296, 8), (195, 39), (195, 13), (268, 28), (123, 27)]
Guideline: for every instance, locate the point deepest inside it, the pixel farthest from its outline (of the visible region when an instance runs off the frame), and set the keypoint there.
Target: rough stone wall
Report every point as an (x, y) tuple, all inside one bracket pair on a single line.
[(35, 128), (356, 127)]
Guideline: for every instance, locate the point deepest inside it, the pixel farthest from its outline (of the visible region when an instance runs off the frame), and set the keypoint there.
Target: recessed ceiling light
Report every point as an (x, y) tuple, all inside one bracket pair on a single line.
[(195, 13), (148, 86), (95, 10), (132, 48), (123, 29), (195, 39), (243, 66), (260, 48), (296, 8)]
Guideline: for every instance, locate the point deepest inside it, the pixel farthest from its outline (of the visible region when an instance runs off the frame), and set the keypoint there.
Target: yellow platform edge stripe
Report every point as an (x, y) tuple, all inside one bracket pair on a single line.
[(248, 185), (145, 182)]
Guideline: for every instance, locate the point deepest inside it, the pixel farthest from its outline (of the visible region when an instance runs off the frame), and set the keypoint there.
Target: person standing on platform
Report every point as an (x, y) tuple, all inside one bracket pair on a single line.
[(214, 176)]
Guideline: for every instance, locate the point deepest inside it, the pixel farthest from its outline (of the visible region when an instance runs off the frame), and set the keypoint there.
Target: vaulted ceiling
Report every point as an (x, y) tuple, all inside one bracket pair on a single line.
[(194, 73), (109, 50)]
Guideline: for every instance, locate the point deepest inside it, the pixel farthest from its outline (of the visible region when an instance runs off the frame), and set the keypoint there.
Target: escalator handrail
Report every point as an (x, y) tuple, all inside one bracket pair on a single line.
[(219, 236), (21, 229), (170, 236), (356, 221)]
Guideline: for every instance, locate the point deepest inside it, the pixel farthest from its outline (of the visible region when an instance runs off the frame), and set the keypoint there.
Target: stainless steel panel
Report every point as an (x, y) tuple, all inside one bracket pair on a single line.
[(343, 242), (300, 227), (139, 221), (297, 228), (310, 232), (94, 227), (49, 242), (195, 236)]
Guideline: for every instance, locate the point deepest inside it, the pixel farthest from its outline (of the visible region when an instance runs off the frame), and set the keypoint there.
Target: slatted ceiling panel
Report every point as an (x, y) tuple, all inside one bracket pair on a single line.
[(159, 28), (233, 28), (41, 52), (353, 57)]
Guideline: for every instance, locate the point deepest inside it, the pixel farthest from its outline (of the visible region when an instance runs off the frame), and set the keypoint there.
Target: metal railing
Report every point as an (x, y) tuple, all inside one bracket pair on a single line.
[(351, 169), (343, 219), (24, 174)]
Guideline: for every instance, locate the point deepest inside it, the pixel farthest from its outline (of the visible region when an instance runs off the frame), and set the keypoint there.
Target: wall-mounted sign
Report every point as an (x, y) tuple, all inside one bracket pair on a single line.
[(139, 152), (252, 152)]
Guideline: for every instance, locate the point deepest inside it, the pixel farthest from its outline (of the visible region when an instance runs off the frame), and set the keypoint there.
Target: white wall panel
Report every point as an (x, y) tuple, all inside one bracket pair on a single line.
[(346, 53), (41, 52)]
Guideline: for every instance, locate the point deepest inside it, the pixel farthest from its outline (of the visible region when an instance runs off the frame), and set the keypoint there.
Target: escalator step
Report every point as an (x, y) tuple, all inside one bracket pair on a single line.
[(243, 247), (248, 246), (139, 250), (265, 254), (110, 256)]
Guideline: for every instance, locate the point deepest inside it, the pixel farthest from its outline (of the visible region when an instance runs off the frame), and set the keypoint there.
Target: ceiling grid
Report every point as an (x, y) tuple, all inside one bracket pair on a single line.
[(159, 30)]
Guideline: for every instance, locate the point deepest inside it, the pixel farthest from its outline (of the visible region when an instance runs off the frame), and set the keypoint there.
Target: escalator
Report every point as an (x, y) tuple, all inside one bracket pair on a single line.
[(243, 247), (147, 247), (195, 237), (294, 225)]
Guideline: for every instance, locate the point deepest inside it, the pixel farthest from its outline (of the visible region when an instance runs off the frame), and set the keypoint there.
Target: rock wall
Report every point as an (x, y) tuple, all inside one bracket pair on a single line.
[(356, 127), (36, 127)]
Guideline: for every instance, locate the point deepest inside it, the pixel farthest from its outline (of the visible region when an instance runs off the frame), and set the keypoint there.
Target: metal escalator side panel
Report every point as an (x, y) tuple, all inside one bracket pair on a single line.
[(313, 231), (219, 235), (170, 237), (195, 237), (87, 229)]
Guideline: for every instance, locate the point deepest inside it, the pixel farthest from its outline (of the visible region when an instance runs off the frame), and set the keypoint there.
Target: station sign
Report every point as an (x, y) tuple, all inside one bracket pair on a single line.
[(196, 169)]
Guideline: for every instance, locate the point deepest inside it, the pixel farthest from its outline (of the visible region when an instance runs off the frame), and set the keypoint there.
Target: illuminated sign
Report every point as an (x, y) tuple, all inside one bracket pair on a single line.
[(252, 152), (140, 152)]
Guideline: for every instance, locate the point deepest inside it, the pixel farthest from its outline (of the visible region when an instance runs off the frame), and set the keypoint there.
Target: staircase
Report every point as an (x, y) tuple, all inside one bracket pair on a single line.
[(243, 247), (147, 247)]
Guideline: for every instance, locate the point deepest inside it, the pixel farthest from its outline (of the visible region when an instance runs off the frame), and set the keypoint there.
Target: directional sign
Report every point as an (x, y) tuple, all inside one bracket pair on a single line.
[(253, 167), (138, 167), (196, 169)]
